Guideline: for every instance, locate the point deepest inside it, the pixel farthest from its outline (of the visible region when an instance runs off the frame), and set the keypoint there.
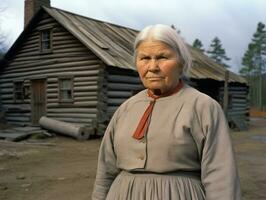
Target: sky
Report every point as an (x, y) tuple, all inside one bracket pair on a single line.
[(232, 21)]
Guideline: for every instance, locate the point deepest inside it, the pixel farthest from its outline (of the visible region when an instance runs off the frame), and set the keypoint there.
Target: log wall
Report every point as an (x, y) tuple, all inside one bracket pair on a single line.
[(238, 104), (118, 85), (68, 58)]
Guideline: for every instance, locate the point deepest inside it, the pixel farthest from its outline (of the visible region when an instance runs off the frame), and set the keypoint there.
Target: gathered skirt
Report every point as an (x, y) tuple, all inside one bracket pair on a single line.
[(154, 186)]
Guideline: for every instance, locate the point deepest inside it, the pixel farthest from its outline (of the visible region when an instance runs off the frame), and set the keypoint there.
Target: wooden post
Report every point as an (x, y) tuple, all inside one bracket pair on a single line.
[(225, 99)]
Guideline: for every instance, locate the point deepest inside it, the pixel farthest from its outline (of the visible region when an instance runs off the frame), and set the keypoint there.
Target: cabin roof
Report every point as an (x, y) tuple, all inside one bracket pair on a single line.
[(113, 44)]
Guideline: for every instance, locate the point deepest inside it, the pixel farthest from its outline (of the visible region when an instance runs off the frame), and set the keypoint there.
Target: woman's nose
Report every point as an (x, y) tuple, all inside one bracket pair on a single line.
[(154, 65)]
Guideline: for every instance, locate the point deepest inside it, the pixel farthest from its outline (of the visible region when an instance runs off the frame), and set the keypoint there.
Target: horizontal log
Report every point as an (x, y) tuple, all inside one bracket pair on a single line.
[(85, 93), (238, 100), (119, 94), (72, 115), (60, 42), (6, 96), (123, 79), (17, 107), (123, 86), (52, 91), (14, 65), (18, 114), (112, 109), (239, 105), (236, 113), (6, 85), (63, 38), (52, 68), (87, 124), (86, 88), (76, 79), (44, 22), (75, 99), (18, 65), (51, 56), (79, 99), (113, 101), (236, 87), (74, 49), (78, 104), (64, 128), (33, 40), (235, 92), (88, 83), (73, 110), (52, 95), (67, 49), (86, 79), (55, 74), (48, 57), (18, 119), (52, 86), (73, 120), (16, 123), (7, 91), (29, 49), (87, 64), (12, 101)]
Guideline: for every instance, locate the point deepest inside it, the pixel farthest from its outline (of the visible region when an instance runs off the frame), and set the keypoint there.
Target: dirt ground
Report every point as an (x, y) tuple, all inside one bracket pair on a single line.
[(61, 168)]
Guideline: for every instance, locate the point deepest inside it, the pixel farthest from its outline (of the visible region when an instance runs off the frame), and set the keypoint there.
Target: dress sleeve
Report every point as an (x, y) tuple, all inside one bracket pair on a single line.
[(219, 172), (106, 170)]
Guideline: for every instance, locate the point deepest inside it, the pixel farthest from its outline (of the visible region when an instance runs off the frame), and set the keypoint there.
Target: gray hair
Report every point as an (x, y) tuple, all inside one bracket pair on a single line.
[(169, 36)]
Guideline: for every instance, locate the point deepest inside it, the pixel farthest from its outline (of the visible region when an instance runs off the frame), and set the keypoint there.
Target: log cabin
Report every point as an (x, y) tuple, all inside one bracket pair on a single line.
[(79, 70)]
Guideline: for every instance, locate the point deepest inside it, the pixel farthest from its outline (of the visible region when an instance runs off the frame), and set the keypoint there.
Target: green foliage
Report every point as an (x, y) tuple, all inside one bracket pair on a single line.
[(254, 59), (254, 66), (198, 45), (217, 52)]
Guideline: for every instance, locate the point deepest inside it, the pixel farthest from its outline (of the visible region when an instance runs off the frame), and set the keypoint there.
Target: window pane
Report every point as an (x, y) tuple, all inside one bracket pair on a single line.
[(46, 45), (65, 89), (66, 95), (45, 40), (65, 84), (18, 90), (18, 96), (45, 35)]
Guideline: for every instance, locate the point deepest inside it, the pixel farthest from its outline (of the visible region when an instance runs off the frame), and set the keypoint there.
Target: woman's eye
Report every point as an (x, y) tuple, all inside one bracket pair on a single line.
[(162, 57), (145, 58)]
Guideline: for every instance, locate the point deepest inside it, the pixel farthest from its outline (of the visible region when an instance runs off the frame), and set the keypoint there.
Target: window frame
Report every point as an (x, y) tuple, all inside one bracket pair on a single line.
[(50, 40), (15, 91), (71, 78)]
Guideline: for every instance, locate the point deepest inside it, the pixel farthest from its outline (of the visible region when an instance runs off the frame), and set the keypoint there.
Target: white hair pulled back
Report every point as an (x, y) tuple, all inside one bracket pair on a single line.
[(169, 36)]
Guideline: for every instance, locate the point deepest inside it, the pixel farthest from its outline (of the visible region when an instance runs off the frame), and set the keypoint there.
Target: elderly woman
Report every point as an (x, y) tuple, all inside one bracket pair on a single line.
[(169, 141)]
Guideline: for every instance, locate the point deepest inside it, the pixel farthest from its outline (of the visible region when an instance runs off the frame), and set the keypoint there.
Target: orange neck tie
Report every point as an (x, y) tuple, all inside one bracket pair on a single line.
[(144, 121)]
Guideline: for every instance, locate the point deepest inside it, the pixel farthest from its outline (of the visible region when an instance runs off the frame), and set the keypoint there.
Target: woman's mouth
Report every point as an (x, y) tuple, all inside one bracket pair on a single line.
[(154, 78)]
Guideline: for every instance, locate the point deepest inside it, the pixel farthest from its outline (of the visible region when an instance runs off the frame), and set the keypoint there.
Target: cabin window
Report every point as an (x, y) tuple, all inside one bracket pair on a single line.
[(65, 89), (18, 91), (46, 40)]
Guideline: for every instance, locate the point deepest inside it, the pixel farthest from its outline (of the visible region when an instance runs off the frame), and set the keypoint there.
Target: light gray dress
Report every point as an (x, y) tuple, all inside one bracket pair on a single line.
[(186, 155)]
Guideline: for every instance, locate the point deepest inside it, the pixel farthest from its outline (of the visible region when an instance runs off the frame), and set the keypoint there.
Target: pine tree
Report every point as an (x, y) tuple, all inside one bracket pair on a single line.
[(259, 42), (254, 59), (254, 65), (198, 45), (247, 61), (217, 52)]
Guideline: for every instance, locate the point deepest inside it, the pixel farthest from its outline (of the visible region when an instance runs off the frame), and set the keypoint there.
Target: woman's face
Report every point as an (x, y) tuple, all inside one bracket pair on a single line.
[(158, 66)]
